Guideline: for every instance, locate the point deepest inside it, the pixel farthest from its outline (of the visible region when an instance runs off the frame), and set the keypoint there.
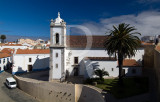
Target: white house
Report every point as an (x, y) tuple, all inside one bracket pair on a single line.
[(5, 61), (26, 60), (12, 46), (74, 55), (40, 41)]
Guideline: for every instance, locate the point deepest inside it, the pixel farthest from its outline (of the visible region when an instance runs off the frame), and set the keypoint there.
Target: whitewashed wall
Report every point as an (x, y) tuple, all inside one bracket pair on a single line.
[(57, 60), (21, 62), (3, 64), (139, 54), (13, 47), (81, 53), (108, 65)]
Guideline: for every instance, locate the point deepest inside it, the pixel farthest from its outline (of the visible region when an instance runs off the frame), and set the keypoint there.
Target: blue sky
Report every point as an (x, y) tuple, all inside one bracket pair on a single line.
[(32, 17)]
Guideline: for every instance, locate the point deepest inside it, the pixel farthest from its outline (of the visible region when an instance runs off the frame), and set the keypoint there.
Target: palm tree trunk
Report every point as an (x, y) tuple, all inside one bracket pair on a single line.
[(120, 63)]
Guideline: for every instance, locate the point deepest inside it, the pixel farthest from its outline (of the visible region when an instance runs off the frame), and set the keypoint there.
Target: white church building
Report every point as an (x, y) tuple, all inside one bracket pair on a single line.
[(71, 55)]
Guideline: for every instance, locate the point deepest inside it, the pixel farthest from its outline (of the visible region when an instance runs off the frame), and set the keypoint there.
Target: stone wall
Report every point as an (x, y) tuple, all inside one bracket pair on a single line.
[(157, 71), (58, 92), (47, 91), (87, 94), (149, 57)]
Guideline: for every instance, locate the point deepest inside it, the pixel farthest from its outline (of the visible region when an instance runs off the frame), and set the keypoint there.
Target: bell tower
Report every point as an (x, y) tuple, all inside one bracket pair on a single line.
[(57, 48)]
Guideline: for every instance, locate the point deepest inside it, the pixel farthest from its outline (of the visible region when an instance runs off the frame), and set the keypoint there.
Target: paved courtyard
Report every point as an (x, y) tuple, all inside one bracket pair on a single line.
[(12, 95)]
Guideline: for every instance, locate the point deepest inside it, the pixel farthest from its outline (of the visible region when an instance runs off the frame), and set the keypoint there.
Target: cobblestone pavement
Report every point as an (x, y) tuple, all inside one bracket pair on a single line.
[(12, 95)]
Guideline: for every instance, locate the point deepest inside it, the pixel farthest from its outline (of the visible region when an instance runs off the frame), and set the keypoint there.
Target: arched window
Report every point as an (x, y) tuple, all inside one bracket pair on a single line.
[(57, 38)]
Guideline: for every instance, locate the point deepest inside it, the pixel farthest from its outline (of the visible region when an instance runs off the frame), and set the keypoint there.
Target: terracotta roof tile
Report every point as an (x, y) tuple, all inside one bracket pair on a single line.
[(81, 41), (33, 51), (146, 43), (8, 50), (102, 58), (3, 55), (130, 63)]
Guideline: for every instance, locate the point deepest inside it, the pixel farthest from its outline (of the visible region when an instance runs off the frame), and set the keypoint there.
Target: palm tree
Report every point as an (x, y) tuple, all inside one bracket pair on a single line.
[(123, 42), (101, 73), (3, 37)]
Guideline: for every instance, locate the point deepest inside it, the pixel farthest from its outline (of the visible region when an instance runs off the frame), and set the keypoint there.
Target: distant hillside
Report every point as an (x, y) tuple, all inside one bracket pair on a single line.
[(11, 38)]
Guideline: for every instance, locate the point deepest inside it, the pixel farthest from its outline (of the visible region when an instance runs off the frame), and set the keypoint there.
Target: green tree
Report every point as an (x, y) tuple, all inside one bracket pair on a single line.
[(101, 73), (3, 37), (123, 42)]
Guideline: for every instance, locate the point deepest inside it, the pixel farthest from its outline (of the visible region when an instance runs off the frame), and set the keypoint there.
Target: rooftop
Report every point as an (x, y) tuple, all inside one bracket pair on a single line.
[(130, 63), (8, 50), (32, 51), (82, 41), (3, 55)]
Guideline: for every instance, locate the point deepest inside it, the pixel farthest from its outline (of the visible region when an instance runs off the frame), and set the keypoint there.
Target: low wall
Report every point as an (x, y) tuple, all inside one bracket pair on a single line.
[(47, 92), (157, 71), (87, 94), (58, 92)]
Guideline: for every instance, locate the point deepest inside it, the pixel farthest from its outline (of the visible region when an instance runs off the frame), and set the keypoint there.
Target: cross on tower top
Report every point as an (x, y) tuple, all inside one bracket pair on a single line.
[(58, 14)]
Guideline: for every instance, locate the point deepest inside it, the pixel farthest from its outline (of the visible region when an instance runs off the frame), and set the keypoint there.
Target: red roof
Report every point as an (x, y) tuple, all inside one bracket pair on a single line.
[(130, 63), (82, 41), (3, 55), (146, 43), (7, 50), (33, 51)]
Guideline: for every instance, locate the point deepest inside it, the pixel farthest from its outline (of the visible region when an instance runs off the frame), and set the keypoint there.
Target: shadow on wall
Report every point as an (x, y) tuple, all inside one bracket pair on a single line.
[(19, 71), (41, 64), (133, 71), (8, 66), (87, 94)]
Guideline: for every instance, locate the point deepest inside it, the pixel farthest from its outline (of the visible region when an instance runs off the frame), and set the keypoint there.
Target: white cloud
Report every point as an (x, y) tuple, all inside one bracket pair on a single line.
[(147, 23), (147, 1)]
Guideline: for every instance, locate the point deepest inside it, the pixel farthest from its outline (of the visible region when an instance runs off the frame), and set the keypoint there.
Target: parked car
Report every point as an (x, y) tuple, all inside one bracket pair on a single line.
[(11, 82)]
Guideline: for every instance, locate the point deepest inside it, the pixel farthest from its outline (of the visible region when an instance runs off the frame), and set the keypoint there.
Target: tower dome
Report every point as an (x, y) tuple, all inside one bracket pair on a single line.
[(58, 19)]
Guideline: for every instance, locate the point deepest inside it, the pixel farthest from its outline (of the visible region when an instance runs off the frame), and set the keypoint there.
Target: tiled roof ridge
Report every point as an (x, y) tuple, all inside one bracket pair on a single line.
[(32, 51)]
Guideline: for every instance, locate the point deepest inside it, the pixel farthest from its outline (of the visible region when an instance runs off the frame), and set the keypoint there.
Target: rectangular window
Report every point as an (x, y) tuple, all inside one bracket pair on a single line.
[(30, 60), (75, 60), (56, 65), (112, 69), (3, 60), (56, 54)]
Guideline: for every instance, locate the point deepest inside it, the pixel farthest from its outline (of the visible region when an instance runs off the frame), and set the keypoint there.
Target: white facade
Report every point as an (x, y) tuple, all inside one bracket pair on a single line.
[(86, 66), (81, 54), (109, 66), (5, 63), (22, 62), (13, 47), (139, 55)]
